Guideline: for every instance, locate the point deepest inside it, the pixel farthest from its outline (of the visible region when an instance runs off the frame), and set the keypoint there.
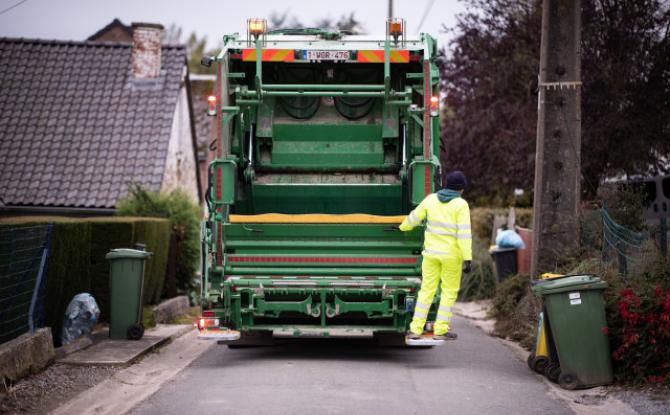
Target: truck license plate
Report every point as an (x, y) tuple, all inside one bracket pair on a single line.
[(326, 55)]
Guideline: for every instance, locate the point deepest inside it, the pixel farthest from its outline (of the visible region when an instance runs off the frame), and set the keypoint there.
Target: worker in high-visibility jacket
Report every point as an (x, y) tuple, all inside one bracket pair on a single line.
[(447, 252)]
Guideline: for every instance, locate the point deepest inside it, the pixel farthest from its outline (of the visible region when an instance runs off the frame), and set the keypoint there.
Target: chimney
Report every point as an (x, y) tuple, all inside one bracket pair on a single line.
[(146, 54)]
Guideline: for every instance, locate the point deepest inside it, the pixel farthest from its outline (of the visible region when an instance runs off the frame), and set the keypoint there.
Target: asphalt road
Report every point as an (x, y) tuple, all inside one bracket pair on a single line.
[(475, 374)]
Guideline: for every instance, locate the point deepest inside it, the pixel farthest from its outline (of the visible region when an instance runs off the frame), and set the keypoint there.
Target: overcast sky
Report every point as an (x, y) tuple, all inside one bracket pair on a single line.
[(78, 19)]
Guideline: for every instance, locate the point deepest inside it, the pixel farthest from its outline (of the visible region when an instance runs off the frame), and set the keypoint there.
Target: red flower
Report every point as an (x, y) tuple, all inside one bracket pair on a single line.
[(658, 291), (627, 293)]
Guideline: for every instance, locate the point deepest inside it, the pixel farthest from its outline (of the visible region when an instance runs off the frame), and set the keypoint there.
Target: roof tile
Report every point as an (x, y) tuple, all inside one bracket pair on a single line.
[(74, 133)]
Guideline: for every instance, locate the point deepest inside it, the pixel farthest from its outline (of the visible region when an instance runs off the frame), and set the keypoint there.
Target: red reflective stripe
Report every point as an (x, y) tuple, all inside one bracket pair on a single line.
[(269, 55), (377, 56), (218, 112), (322, 260), (426, 94), (219, 258), (400, 56)]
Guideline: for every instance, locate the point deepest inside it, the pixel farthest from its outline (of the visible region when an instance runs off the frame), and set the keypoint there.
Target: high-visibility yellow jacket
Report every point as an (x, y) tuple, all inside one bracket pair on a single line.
[(448, 229)]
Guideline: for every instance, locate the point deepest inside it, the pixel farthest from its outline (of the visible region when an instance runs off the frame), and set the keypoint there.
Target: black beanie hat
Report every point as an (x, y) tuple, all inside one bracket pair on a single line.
[(456, 180)]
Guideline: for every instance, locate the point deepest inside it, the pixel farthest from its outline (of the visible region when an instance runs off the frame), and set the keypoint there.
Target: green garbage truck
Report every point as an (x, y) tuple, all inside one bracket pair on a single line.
[(325, 141)]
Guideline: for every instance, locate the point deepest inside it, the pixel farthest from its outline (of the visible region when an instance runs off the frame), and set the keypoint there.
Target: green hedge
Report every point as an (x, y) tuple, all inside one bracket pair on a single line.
[(482, 219), (77, 259), (481, 282)]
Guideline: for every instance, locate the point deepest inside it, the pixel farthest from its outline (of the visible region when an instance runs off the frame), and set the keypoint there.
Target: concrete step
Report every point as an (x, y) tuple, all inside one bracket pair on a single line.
[(106, 351)]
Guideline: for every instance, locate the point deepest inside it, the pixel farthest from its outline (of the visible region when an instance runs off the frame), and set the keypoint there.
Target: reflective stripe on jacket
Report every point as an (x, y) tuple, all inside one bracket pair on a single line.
[(448, 229)]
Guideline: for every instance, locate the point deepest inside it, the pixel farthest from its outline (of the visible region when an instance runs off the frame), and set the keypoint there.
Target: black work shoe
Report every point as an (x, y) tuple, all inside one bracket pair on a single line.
[(413, 336), (445, 336)]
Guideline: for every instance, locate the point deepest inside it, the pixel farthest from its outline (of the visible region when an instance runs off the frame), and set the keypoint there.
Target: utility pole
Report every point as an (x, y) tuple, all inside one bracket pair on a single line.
[(390, 16), (556, 207)]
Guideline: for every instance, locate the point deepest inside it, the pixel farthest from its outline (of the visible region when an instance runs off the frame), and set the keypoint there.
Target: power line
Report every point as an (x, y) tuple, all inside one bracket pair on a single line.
[(425, 14), (11, 7)]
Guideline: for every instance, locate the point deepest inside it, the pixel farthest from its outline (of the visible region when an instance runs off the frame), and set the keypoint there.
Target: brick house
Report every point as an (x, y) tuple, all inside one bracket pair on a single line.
[(81, 121)]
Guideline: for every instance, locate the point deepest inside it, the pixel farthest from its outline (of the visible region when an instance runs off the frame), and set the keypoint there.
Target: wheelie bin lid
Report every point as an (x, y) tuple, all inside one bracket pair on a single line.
[(127, 253), (569, 283)]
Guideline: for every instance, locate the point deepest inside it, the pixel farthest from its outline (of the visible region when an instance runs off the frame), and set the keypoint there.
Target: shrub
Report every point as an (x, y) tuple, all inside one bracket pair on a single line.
[(482, 220), (515, 309), (639, 324), (105, 236), (481, 282), (184, 217), (638, 318), (67, 270), (156, 236)]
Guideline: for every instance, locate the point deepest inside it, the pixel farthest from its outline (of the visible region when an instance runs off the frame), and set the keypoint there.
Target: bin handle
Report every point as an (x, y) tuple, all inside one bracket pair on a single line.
[(536, 282)]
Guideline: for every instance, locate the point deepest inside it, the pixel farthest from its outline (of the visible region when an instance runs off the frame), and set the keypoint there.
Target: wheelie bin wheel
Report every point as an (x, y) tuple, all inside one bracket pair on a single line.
[(539, 363), (135, 332), (568, 381), (530, 361), (552, 371)]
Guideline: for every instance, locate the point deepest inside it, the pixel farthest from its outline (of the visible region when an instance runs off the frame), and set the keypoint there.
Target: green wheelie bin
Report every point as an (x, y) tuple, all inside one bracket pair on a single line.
[(126, 279), (576, 314)]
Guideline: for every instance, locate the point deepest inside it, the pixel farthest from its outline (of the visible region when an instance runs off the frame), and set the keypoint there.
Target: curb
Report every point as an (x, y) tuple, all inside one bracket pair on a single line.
[(594, 401)]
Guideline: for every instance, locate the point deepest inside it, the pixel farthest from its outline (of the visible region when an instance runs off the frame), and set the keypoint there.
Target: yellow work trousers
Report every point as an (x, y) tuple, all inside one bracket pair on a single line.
[(436, 269)]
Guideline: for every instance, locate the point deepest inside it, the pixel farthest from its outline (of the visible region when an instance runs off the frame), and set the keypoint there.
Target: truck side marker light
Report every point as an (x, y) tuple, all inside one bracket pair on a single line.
[(434, 106), (211, 105)]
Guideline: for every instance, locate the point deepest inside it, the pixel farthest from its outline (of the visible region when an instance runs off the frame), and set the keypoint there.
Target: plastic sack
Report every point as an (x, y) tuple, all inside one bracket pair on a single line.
[(80, 317), (509, 239)]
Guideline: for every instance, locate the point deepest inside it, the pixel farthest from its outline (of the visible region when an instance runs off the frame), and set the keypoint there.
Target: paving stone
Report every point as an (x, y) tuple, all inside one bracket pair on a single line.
[(124, 352)]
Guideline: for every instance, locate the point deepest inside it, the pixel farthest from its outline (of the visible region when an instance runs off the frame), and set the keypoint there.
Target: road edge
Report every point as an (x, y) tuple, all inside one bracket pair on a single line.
[(603, 403), (130, 386)]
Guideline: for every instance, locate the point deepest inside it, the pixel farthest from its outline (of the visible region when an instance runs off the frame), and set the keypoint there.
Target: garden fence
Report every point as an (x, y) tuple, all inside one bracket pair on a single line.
[(24, 251)]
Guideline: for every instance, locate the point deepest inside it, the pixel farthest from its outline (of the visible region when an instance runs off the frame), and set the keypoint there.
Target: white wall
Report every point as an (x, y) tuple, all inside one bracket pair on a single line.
[(180, 168)]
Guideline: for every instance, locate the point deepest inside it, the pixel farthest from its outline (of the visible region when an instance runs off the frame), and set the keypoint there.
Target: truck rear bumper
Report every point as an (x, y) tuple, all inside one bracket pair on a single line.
[(319, 307)]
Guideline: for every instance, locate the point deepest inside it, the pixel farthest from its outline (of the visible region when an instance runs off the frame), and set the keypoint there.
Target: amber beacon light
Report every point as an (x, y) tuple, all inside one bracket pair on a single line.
[(257, 26)]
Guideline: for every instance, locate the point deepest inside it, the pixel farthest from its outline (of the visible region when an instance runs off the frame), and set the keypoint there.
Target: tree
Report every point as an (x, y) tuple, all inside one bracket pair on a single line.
[(278, 20), (489, 78), (626, 98), (347, 23)]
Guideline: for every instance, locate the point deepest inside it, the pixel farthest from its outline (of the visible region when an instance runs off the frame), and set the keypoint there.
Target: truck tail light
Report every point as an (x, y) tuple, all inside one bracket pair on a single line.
[(211, 105), (434, 106), (204, 323)]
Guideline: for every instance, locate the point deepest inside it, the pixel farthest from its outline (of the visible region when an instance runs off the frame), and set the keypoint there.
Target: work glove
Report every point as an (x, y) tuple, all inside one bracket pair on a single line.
[(467, 266)]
